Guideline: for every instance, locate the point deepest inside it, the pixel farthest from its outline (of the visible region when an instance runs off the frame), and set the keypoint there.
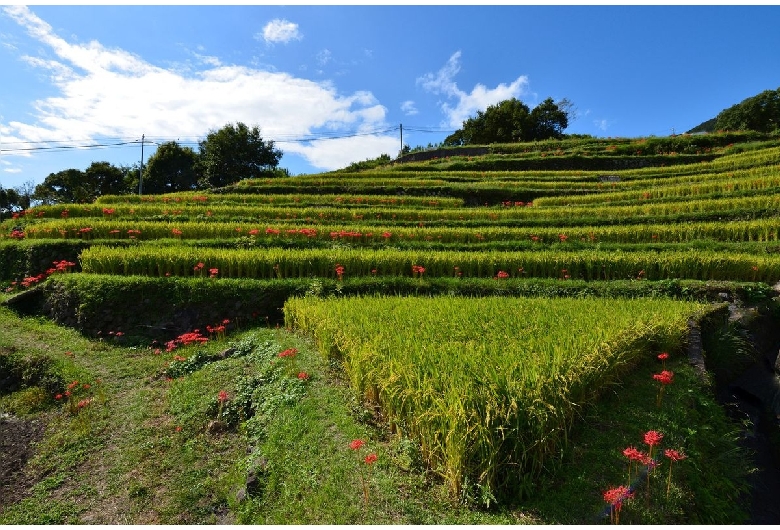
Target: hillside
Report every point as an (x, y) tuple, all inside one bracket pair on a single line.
[(460, 337)]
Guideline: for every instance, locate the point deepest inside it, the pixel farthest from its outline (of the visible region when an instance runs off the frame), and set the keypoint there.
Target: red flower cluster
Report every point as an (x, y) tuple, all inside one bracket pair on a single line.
[(674, 456), (59, 266), (345, 234), (289, 352), (502, 275), (339, 271), (615, 497), (185, 339), (665, 377), (222, 396), (653, 438), (418, 269), (356, 444)]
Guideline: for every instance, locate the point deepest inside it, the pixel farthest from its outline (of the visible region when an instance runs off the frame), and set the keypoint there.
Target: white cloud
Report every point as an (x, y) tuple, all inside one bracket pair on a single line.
[(466, 104), (324, 57), (602, 124), (12, 170), (105, 92), (280, 30), (408, 108)]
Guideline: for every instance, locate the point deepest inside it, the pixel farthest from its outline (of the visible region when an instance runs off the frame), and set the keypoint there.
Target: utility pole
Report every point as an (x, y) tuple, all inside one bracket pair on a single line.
[(402, 139), (141, 170)]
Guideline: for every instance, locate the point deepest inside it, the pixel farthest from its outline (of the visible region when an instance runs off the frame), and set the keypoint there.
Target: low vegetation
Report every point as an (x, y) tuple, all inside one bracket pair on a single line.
[(493, 339)]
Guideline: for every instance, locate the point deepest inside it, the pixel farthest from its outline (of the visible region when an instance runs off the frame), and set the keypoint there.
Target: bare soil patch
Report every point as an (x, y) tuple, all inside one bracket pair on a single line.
[(17, 439)]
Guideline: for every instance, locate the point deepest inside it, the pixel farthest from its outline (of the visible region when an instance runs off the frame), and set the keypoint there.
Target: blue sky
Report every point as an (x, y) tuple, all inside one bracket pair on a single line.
[(331, 84)]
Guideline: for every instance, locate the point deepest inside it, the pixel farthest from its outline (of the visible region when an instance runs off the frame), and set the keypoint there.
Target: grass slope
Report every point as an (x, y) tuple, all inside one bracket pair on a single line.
[(143, 451)]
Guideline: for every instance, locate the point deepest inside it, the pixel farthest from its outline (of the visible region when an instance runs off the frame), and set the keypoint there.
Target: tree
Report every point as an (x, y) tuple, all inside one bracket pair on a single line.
[(105, 179), (512, 121), (758, 113), (171, 168), (233, 153), (25, 192), (76, 186), (549, 119), (65, 186), (9, 201)]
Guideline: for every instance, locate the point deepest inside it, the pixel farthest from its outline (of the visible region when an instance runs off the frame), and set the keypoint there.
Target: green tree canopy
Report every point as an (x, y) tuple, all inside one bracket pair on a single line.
[(171, 168), (76, 186), (235, 152), (758, 113), (9, 200), (511, 120), (66, 186)]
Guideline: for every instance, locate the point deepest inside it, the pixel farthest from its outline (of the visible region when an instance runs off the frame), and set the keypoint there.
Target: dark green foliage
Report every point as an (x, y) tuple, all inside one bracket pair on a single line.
[(146, 308), (18, 372), (235, 152), (19, 259), (512, 121), (9, 200), (76, 186), (170, 169), (757, 113)]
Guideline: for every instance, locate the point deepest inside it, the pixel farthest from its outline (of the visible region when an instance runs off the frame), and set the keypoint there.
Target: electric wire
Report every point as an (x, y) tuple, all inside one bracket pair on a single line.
[(27, 147)]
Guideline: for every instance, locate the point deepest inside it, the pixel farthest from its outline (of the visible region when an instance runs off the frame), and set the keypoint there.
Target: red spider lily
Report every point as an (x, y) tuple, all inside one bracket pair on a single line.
[(370, 459), (213, 273), (176, 232), (502, 275), (356, 444), (339, 271), (665, 378), (673, 456), (58, 396), (634, 455), (653, 438), (289, 352), (662, 357), (303, 376), (223, 396), (615, 497), (418, 269)]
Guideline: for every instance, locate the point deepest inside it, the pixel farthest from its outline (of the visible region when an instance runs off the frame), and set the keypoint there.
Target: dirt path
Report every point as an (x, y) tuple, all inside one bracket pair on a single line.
[(17, 437)]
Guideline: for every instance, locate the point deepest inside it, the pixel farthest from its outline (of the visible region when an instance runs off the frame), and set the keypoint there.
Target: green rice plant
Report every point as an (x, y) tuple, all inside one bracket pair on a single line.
[(284, 263), (765, 178), (560, 216), (298, 199), (489, 387)]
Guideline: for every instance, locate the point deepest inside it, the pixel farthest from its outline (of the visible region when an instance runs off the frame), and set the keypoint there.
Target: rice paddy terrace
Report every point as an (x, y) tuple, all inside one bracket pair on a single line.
[(478, 304)]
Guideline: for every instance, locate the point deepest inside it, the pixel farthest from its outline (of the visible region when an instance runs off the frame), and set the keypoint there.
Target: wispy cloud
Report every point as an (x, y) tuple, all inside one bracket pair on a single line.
[(280, 30), (408, 108), (102, 92), (324, 57), (602, 124), (466, 104)]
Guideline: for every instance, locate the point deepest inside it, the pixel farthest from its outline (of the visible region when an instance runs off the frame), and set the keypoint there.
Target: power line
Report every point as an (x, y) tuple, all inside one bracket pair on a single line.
[(9, 148)]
